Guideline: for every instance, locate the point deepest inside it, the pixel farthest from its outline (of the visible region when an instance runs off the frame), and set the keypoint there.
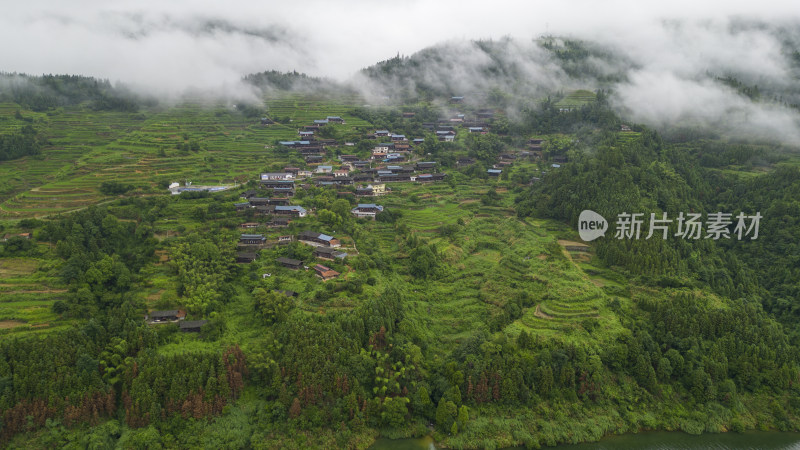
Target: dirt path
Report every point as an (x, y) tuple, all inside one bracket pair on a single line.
[(538, 313)]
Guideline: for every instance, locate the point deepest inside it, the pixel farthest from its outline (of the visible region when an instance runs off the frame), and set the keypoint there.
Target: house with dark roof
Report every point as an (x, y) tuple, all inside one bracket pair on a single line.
[(258, 201), (363, 178), (278, 201), (364, 192), (192, 326), (427, 177), (290, 263), (278, 222), (425, 165), (465, 161), (446, 136), (245, 258), (263, 210), (366, 210), (328, 253), (314, 238), (169, 316), (287, 191), (290, 210), (241, 206), (396, 177), (335, 119), (249, 225), (271, 184), (252, 239), (311, 150)]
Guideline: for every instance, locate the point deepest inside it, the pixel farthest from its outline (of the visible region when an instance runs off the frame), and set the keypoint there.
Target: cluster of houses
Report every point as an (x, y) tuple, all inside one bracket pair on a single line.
[(381, 167), (324, 272), (445, 127), (270, 206), (533, 152), (351, 170), (326, 247)]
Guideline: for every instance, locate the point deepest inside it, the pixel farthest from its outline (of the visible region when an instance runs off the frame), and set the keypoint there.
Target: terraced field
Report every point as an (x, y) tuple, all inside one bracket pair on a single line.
[(28, 289), (88, 148), (431, 218), (576, 99), (627, 137)]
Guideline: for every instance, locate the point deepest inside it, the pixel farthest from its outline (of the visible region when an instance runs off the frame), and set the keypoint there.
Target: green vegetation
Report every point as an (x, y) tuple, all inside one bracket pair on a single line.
[(467, 310)]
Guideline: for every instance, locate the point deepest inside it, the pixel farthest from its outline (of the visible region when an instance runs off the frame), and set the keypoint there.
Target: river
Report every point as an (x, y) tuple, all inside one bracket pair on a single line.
[(656, 440)]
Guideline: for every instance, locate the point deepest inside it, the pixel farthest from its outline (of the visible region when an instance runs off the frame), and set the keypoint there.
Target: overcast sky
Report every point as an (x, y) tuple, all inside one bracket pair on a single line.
[(204, 43), (167, 47)]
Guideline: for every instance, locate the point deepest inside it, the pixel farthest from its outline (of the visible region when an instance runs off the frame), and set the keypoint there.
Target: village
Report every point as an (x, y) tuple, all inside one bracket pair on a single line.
[(269, 204)]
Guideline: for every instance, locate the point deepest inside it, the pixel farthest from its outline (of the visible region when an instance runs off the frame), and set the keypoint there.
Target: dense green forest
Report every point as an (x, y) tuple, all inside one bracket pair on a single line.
[(26, 142), (40, 93), (464, 311)]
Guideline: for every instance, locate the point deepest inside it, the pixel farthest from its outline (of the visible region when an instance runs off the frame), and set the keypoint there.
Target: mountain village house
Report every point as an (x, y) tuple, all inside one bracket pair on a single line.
[(252, 239), (329, 253), (289, 263), (314, 238), (366, 210), (171, 316), (326, 273), (245, 257)]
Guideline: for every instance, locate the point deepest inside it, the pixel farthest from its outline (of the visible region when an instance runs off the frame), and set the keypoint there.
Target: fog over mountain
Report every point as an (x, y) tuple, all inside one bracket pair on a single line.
[(663, 63)]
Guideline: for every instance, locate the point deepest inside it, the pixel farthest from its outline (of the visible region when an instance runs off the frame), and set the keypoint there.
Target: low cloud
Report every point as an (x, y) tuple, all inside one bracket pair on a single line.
[(664, 99), (662, 59)]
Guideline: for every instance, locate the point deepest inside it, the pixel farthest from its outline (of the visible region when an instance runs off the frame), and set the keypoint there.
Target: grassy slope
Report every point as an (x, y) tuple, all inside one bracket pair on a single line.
[(88, 148)]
